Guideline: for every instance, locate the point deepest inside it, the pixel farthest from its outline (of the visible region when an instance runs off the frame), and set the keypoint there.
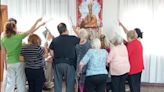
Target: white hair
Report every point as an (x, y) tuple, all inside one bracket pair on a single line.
[(83, 34), (117, 40), (95, 43)]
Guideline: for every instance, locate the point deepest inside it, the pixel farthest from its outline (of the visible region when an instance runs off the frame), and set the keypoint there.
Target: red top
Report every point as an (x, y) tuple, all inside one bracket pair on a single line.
[(135, 53)]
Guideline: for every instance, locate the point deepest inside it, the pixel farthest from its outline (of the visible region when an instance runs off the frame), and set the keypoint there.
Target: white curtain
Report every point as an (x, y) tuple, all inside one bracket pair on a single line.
[(153, 72), (148, 15), (53, 11)]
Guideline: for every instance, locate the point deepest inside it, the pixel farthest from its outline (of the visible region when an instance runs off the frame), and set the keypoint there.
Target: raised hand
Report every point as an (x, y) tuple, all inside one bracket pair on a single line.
[(40, 19), (43, 24), (120, 23)]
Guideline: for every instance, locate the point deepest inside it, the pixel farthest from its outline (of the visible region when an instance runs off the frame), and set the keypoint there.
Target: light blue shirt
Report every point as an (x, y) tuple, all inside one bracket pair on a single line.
[(95, 59)]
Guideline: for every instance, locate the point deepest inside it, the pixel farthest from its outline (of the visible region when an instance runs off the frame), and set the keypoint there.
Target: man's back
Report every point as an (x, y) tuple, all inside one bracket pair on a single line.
[(64, 46)]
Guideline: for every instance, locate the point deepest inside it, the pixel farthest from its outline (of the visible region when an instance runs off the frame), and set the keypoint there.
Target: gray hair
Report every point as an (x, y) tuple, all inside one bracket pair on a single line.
[(117, 40), (83, 34), (95, 43), (132, 34)]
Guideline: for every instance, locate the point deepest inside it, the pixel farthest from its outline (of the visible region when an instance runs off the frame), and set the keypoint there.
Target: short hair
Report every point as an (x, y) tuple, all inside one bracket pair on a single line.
[(96, 43), (34, 39), (132, 34), (62, 28), (12, 20), (139, 33), (83, 34), (118, 40)]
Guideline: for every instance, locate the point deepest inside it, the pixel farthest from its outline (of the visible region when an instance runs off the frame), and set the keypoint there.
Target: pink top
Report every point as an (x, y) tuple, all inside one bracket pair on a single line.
[(118, 59)]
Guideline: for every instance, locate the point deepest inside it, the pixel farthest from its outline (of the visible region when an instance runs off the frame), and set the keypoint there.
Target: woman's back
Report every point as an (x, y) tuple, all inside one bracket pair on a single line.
[(13, 46), (81, 50), (96, 59)]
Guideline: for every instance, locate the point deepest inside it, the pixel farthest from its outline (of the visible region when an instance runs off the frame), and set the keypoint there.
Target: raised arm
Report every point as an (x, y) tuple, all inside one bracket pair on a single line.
[(46, 50), (35, 26), (52, 53), (76, 30), (124, 28)]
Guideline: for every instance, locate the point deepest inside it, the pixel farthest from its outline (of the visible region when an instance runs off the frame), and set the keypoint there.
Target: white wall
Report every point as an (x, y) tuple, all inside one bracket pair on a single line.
[(24, 10), (110, 17), (145, 14), (27, 11)]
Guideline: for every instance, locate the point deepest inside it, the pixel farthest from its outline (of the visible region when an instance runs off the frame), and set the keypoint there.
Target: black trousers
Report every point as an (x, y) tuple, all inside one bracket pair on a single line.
[(35, 78), (96, 83), (118, 82), (135, 82)]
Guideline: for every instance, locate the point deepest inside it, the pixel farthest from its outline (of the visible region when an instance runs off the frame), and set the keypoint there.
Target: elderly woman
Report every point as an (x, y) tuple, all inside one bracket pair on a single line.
[(81, 50), (119, 64), (96, 73), (34, 63), (135, 53)]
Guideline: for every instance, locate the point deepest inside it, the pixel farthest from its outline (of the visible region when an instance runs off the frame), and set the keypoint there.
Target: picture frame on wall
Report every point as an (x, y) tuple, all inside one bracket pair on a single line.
[(89, 13)]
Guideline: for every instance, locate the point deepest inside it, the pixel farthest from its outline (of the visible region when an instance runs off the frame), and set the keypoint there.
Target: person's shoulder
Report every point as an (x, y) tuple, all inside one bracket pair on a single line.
[(96, 51), (67, 36), (123, 45), (25, 46), (20, 35), (72, 36), (138, 43), (90, 50), (88, 44), (30, 46), (135, 41), (78, 46), (55, 39)]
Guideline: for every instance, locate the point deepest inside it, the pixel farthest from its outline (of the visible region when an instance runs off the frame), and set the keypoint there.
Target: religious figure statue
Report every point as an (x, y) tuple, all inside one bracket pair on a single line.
[(89, 16), (90, 20)]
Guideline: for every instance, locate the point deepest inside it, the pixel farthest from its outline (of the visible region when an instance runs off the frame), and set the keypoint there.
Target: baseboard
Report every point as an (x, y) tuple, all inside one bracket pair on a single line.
[(152, 84)]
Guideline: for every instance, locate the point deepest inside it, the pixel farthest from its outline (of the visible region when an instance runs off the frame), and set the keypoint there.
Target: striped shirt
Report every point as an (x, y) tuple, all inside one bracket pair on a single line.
[(33, 56)]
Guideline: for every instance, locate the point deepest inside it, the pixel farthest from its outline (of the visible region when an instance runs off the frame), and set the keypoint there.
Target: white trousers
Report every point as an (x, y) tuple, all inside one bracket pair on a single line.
[(49, 74), (15, 77)]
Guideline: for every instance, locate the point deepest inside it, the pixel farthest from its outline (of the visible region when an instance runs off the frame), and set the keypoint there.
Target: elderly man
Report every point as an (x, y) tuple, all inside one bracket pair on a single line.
[(63, 50)]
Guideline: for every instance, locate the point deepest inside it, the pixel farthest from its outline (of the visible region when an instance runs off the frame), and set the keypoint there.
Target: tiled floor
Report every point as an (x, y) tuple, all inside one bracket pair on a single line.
[(144, 88)]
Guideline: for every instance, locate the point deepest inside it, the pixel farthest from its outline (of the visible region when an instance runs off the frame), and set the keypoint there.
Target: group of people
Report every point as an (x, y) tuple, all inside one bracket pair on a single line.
[(80, 60), (11, 42)]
